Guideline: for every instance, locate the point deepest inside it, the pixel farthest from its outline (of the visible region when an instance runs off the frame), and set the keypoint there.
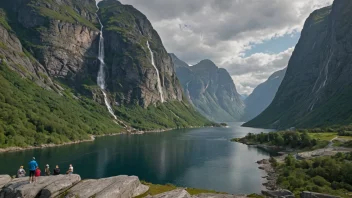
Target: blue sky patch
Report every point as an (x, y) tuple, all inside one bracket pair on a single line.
[(275, 45)]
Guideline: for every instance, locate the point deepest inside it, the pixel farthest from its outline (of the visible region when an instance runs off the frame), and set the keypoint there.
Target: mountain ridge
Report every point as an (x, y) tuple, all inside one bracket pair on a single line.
[(262, 95), (210, 89), (316, 89)]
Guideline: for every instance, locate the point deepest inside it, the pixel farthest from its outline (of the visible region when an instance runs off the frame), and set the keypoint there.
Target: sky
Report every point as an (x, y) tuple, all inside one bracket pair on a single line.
[(250, 38)]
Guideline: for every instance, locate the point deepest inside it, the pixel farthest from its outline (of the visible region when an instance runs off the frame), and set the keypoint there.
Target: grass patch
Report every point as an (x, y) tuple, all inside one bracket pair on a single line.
[(195, 191), (61, 12), (2, 45), (3, 20), (323, 136)]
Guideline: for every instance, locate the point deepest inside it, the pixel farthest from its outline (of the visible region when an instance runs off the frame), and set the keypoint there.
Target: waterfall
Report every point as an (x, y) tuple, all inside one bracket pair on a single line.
[(101, 73), (157, 73)]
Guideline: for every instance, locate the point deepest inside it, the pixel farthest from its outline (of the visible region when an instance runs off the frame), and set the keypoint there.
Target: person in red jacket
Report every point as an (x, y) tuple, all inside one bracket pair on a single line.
[(37, 173)]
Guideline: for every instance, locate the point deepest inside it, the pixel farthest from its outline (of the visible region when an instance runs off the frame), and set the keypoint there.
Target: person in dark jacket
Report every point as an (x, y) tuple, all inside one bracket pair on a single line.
[(32, 167), (56, 170)]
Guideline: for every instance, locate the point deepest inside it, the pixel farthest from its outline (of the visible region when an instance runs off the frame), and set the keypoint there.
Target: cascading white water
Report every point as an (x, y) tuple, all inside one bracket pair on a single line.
[(101, 73), (157, 72)]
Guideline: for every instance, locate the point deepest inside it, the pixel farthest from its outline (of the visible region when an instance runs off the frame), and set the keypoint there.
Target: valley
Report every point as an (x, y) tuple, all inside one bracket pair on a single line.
[(186, 96)]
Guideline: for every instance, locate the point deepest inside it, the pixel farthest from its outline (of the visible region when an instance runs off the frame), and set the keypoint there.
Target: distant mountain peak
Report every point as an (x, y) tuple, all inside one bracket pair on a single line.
[(206, 63), (210, 89), (263, 95)]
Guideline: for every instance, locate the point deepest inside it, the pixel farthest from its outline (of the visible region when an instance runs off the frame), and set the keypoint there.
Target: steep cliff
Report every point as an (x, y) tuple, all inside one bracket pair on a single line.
[(210, 89), (60, 34), (48, 74), (17, 58), (132, 77), (317, 87), (262, 95)]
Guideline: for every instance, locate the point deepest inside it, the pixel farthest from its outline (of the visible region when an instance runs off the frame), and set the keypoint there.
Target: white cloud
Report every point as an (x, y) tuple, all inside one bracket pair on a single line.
[(255, 69), (222, 30)]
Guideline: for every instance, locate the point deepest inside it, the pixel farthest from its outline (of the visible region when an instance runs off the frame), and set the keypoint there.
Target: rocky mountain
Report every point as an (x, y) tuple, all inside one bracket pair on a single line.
[(49, 65), (132, 76), (210, 89), (317, 88), (262, 95)]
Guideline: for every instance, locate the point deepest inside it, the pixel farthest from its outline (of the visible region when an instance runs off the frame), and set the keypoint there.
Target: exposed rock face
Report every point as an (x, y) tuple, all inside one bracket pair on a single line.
[(279, 193), (307, 194), (49, 186), (4, 179), (262, 95), (56, 186), (316, 90), (119, 186), (60, 34), (12, 52), (179, 193), (210, 89), (131, 75)]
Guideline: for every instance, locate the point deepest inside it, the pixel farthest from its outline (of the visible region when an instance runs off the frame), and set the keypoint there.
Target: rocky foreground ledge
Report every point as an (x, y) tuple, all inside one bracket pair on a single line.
[(71, 186)]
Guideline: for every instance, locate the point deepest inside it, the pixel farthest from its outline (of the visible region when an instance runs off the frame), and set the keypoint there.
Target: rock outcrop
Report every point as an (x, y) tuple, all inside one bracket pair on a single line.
[(4, 179), (307, 194), (71, 186), (262, 95), (279, 193), (50, 186), (316, 90), (119, 186), (180, 193), (210, 89)]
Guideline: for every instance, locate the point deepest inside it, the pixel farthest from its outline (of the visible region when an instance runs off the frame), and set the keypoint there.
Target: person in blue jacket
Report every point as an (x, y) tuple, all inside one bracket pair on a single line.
[(32, 166)]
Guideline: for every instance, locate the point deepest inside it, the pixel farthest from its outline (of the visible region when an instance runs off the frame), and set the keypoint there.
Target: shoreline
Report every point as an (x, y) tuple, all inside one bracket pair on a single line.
[(92, 139)]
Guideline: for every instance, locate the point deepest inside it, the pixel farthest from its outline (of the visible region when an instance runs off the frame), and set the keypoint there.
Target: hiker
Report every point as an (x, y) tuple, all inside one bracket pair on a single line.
[(57, 170), (70, 170), (32, 167), (21, 172), (37, 173), (47, 170)]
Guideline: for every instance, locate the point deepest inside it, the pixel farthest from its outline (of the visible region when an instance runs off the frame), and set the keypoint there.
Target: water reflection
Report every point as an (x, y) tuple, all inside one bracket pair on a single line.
[(201, 158)]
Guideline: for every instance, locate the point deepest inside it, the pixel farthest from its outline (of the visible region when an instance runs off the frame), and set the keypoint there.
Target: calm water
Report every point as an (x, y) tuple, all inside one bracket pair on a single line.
[(199, 158)]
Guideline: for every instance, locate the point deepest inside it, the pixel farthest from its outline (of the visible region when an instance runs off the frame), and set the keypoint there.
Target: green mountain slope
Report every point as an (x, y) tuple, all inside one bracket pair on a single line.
[(49, 66), (31, 115)]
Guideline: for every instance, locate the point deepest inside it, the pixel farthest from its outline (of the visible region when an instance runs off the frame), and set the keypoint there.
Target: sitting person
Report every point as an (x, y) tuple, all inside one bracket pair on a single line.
[(57, 170), (70, 170), (47, 170), (21, 172)]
